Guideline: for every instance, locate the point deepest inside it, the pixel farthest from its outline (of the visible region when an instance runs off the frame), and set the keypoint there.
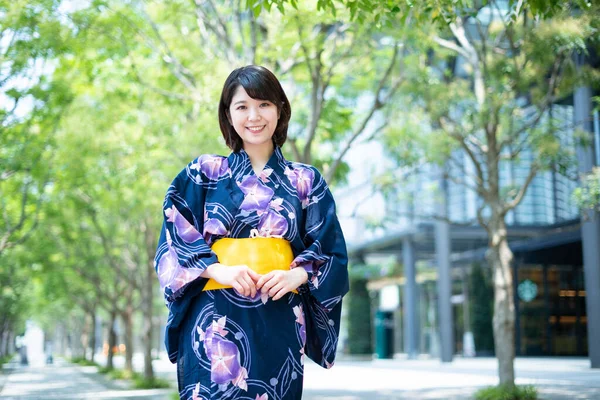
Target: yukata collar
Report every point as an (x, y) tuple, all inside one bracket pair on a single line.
[(277, 161)]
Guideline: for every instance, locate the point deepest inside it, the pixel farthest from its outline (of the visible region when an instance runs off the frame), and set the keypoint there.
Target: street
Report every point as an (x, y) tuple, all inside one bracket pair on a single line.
[(424, 379)]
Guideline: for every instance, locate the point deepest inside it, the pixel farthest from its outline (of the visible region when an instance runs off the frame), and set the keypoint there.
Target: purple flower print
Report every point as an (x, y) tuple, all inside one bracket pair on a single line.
[(262, 397), (184, 229), (272, 224), (213, 226), (170, 273), (311, 267), (224, 355), (302, 179), (225, 362), (265, 173), (167, 265), (207, 337), (256, 195), (300, 320), (213, 167), (276, 204)]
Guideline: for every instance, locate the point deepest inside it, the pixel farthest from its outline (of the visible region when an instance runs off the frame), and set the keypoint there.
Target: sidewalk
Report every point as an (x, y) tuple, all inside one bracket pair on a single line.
[(423, 379), (64, 381), (429, 379), (555, 379)]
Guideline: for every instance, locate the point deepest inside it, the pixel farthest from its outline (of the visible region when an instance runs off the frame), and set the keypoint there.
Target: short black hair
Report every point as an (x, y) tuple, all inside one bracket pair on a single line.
[(261, 84)]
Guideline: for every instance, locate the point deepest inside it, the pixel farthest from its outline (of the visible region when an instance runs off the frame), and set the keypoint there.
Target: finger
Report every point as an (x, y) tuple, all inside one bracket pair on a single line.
[(271, 283), (264, 279), (251, 285), (275, 289), (254, 275), (245, 286), (281, 293), (237, 287)]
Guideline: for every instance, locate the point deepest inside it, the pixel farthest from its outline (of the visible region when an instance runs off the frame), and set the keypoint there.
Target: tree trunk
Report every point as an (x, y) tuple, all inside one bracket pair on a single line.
[(85, 336), (4, 337), (148, 297), (10, 349), (112, 339), (128, 322), (93, 337), (500, 257), (148, 317)]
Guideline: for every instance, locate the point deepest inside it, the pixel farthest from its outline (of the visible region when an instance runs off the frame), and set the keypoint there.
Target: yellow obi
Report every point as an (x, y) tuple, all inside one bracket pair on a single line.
[(262, 254)]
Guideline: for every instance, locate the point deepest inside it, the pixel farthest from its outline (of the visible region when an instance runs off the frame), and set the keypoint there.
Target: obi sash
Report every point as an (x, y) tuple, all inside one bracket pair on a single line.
[(262, 254)]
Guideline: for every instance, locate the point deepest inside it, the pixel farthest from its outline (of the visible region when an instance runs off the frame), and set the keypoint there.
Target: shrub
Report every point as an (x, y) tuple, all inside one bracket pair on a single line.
[(506, 393), (139, 382), (122, 374), (105, 370), (84, 362)]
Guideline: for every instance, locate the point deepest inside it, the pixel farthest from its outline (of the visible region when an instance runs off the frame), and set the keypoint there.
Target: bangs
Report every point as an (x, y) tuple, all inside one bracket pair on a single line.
[(259, 87)]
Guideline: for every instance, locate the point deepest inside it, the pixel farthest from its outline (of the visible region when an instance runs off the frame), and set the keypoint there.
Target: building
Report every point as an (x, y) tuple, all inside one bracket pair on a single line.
[(556, 266)]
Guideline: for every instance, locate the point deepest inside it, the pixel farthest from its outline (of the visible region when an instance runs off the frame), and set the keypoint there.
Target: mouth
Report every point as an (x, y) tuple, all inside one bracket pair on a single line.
[(256, 129)]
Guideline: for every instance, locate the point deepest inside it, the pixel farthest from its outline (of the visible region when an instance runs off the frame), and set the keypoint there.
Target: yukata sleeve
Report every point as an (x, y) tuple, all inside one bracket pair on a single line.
[(325, 259), (182, 254)]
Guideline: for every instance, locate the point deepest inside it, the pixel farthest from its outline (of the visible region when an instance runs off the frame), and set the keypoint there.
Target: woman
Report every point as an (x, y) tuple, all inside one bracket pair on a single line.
[(236, 333)]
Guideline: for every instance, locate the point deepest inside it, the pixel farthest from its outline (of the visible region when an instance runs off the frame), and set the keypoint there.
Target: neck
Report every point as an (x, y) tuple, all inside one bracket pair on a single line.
[(259, 155)]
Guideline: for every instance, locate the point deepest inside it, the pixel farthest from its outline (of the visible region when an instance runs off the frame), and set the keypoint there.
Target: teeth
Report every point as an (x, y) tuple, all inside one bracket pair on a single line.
[(255, 128)]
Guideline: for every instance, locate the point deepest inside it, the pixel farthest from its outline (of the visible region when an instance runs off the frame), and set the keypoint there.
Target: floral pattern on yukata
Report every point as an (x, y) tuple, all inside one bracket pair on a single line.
[(228, 346)]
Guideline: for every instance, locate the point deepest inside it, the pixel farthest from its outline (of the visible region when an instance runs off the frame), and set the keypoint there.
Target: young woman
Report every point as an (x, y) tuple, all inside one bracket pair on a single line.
[(251, 257)]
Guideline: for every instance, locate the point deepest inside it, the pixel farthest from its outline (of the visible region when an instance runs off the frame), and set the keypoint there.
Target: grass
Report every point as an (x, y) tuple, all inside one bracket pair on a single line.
[(5, 359), (84, 362), (138, 380), (507, 393)]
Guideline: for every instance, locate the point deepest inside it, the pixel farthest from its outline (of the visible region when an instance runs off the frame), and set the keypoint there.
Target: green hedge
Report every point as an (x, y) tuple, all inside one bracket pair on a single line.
[(507, 393), (482, 310), (359, 318)]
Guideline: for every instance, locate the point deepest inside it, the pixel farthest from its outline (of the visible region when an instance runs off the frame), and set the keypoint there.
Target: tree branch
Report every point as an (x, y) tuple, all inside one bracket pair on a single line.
[(294, 147), (378, 103), (181, 72), (521, 193)]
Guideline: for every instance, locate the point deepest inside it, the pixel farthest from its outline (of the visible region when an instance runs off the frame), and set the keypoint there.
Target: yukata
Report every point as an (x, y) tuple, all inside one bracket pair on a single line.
[(226, 345)]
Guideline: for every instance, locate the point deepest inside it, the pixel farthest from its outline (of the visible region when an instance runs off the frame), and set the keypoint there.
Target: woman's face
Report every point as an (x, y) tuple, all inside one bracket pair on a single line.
[(254, 120)]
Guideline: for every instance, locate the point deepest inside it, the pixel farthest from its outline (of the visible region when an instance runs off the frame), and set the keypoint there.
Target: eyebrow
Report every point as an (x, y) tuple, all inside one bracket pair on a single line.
[(238, 102)]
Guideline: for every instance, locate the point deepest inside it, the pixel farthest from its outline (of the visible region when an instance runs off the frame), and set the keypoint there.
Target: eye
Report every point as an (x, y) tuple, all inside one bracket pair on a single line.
[(241, 108), (265, 104)]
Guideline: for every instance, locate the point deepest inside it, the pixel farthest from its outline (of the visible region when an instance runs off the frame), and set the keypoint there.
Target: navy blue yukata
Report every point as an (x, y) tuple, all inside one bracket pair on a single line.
[(228, 346)]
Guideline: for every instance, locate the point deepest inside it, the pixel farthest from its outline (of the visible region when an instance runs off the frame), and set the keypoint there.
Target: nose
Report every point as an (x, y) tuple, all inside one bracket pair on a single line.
[(253, 114)]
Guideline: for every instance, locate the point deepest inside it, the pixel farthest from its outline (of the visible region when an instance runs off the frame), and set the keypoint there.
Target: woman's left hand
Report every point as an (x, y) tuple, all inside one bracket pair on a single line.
[(278, 283)]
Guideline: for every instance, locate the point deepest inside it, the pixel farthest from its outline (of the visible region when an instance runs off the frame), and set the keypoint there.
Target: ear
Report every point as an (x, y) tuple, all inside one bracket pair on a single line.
[(228, 117)]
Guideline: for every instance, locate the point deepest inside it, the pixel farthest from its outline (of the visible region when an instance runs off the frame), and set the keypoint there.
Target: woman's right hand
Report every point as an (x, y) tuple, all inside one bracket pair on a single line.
[(240, 277)]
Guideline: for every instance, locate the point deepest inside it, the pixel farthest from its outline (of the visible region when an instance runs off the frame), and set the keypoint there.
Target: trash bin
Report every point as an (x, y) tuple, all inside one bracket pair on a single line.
[(384, 334)]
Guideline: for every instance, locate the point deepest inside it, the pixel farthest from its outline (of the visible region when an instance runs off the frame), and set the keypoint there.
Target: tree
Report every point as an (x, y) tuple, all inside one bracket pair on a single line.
[(588, 195), (32, 106), (495, 112)]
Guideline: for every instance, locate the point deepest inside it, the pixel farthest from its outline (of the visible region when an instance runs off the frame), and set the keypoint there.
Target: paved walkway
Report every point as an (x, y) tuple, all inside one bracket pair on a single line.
[(65, 382), (555, 378)]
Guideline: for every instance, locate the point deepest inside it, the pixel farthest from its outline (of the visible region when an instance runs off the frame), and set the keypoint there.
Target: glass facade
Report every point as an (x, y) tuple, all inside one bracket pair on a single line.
[(548, 199), (554, 321)]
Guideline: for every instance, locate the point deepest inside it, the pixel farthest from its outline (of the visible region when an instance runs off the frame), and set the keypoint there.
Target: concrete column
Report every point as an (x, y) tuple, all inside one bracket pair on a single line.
[(411, 320), (590, 224), (444, 282)]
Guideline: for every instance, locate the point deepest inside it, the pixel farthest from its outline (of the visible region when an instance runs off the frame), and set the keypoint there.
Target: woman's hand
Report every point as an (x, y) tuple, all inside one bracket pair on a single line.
[(240, 277), (279, 282)]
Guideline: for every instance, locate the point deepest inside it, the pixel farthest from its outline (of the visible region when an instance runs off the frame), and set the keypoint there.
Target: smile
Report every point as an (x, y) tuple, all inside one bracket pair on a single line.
[(255, 129)]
